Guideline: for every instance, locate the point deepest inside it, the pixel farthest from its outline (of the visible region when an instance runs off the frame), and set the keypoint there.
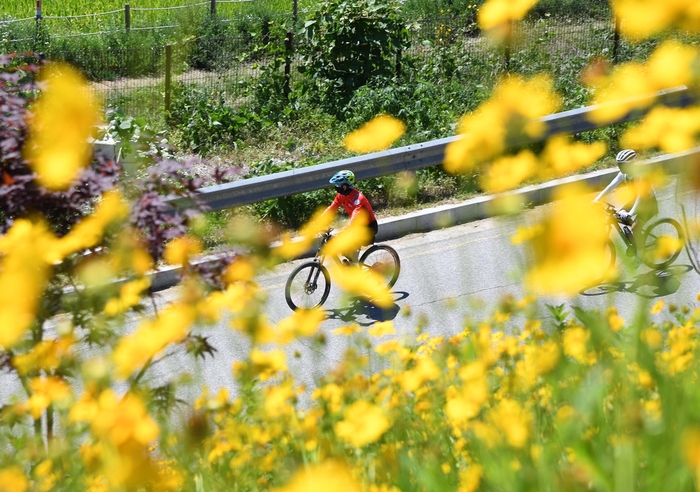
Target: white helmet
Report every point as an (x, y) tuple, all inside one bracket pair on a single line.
[(626, 156)]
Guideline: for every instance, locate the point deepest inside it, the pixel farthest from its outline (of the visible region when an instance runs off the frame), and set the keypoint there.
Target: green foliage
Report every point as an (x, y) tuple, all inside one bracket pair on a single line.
[(205, 120), (348, 43)]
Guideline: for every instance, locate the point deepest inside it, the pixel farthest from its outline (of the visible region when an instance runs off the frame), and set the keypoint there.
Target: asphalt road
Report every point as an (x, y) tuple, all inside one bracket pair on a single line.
[(447, 275)]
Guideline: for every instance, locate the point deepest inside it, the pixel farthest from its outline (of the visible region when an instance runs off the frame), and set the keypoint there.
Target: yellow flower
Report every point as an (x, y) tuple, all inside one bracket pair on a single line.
[(151, 337), (363, 424), (496, 12), (181, 249), (375, 135), (351, 238), (657, 307), (669, 129), (46, 355), (562, 156), (45, 392), (348, 329), (508, 172), (512, 112), (425, 370), (645, 18), (302, 323), (470, 478), (325, 477), (23, 274), (294, 247), (575, 342), (266, 364), (615, 321), (364, 282), (690, 447), (129, 296), (381, 328), (65, 117), (13, 479), (240, 270), (277, 400), (569, 252), (513, 421), (466, 403)]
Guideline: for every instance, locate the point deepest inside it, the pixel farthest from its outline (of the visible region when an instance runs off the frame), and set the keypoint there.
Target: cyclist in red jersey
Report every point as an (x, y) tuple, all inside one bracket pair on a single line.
[(355, 204)]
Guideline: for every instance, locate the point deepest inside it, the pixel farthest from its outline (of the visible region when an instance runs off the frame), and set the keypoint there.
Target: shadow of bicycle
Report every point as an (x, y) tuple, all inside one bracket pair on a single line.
[(651, 284), (359, 307)]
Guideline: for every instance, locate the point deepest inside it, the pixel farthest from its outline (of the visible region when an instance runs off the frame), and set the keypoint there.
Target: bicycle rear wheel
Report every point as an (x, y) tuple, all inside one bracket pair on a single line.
[(663, 242), (308, 286), (384, 260)]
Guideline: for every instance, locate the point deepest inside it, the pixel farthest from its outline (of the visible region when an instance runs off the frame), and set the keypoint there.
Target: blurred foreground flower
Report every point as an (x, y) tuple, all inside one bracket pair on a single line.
[(567, 249), (630, 85), (645, 18), (363, 424), (324, 477), (512, 113), (65, 118), (375, 135), (495, 13)]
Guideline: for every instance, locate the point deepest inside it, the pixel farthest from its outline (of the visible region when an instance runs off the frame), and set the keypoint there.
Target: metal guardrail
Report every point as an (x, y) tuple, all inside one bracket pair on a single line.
[(413, 157)]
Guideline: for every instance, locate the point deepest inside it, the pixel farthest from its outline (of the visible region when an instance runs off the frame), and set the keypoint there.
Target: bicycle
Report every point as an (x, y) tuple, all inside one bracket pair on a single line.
[(662, 241), (309, 284)]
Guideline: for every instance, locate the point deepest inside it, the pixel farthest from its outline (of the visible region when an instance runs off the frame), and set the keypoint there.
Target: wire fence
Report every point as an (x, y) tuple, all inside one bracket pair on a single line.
[(141, 68)]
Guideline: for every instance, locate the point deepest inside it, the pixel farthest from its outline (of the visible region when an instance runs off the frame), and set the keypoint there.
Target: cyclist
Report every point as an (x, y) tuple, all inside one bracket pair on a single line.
[(634, 213), (355, 204)]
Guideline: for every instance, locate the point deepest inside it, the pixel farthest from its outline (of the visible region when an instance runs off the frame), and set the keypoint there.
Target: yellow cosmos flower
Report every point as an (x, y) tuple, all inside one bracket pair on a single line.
[(381, 328), (508, 172), (375, 135), (324, 477), (24, 271), (657, 307), (13, 479), (151, 337), (615, 321), (65, 117), (45, 392), (470, 478), (575, 341), (670, 129), (302, 323), (348, 329), (278, 400), (240, 270), (569, 253), (181, 249), (363, 282), (363, 424), (425, 370), (46, 355), (267, 364), (690, 447), (496, 12), (351, 238), (645, 18), (293, 247), (513, 420), (129, 296), (511, 113), (561, 155)]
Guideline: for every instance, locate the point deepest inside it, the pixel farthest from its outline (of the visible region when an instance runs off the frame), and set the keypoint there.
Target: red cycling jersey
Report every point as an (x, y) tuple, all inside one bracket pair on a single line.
[(353, 203)]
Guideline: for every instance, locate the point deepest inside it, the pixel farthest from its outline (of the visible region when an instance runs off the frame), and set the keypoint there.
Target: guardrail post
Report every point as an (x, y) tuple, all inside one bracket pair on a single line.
[(127, 17), (212, 8), (168, 74)]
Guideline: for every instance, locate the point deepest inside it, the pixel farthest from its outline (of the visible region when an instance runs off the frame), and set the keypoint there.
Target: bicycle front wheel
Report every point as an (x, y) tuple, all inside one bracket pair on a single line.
[(384, 260), (308, 286), (663, 242)]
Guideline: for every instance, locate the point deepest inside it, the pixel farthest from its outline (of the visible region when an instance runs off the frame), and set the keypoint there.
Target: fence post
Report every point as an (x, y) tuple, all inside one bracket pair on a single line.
[(508, 43), (127, 16), (616, 40), (168, 74), (212, 8), (37, 26), (288, 62)]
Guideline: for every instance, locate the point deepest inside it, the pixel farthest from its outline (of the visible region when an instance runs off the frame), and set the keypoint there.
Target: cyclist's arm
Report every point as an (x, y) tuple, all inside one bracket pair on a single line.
[(333, 206), (363, 210), (633, 210), (613, 184)]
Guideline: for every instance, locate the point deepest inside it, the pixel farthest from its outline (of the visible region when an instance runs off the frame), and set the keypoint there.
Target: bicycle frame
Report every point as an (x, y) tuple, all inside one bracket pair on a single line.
[(625, 231)]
